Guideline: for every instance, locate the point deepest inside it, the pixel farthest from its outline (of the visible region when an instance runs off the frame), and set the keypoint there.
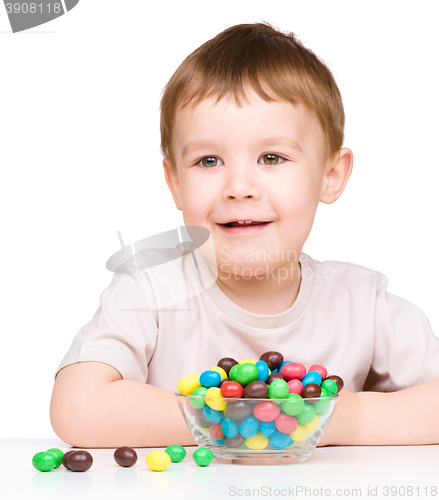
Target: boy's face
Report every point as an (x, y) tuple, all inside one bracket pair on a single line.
[(260, 162)]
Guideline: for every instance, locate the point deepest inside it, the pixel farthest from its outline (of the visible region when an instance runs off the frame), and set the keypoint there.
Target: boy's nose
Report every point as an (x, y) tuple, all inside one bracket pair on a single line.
[(241, 183)]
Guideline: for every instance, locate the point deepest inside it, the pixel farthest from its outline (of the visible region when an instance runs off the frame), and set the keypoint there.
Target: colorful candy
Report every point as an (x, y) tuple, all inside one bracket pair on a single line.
[(125, 456), (158, 460), (203, 457), (176, 453), (230, 409), (79, 461)]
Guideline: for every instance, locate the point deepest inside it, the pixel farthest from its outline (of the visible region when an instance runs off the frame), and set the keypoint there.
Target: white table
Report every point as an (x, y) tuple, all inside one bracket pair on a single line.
[(329, 472)]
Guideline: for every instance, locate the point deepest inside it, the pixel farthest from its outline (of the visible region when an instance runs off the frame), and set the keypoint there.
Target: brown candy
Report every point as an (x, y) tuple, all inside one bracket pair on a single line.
[(79, 461), (274, 376), (66, 456), (237, 410), (311, 391), (234, 442), (272, 358), (256, 389), (226, 364), (338, 380), (125, 456), (224, 381)]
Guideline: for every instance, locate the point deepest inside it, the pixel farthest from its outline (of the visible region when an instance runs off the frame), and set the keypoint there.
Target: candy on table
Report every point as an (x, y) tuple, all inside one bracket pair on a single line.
[(158, 460), (176, 452), (45, 461), (221, 410), (65, 457), (125, 456), (58, 455), (203, 457), (79, 461)]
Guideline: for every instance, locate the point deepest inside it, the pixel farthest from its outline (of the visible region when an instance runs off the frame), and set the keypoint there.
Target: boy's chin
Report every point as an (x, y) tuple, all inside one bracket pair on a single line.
[(248, 271)]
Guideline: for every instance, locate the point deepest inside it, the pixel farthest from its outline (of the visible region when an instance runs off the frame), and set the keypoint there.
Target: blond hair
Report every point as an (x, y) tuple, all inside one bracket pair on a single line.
[(274, 64)]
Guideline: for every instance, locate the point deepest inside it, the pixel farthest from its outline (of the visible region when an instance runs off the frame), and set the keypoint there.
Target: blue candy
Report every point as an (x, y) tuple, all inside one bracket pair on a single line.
[(248, 426), (267, 428), (312, 377), (279, 440), (229, 427), (210, 378), (213, 416), (218, 442), (262, 370)]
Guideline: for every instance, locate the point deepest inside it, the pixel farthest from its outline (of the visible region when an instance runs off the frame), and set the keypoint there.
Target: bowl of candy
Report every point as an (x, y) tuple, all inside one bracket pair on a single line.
[(261, 412)]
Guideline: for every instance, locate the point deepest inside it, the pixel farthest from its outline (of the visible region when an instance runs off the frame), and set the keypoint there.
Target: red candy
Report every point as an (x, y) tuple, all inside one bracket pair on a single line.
[(295, 386), (266, 411), (286, 423), (292, 371), (216, 431), (321, 370), (232, 389)]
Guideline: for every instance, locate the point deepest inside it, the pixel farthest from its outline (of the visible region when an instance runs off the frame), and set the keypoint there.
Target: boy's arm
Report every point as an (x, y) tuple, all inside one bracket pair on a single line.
[(405, 417), (93, 407)]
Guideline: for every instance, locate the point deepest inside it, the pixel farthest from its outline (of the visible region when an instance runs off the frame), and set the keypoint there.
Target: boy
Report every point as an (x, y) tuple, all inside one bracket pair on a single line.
[(252, 128)]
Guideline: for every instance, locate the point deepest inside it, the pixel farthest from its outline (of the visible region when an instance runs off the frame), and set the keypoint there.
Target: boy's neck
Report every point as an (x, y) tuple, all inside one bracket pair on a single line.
[(273, 293)]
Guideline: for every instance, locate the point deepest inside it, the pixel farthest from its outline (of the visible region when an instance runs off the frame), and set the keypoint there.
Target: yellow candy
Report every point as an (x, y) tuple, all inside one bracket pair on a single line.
[(187, 385), (215, 404), (158, 460), (312, 426), (247, 361), (257, 442), (221, 371), (299, 434)]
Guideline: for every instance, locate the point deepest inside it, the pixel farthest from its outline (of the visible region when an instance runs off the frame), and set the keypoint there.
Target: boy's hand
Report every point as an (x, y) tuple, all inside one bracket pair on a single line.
[(343, 424)]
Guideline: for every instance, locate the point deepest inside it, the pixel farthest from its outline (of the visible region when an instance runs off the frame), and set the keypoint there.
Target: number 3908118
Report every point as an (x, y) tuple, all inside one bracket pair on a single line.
[(33, 8)]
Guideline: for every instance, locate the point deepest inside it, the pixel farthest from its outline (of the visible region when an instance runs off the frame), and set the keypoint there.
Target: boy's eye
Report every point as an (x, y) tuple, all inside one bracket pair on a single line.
[(210, 161), (271, 159)]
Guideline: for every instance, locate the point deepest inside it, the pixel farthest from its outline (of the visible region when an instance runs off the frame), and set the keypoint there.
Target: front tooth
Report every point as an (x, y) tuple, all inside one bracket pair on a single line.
[(241, 221), (248, 221)]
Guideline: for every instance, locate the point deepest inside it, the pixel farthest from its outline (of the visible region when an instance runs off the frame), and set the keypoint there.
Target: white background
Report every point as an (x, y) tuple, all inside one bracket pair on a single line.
[(80, 160)]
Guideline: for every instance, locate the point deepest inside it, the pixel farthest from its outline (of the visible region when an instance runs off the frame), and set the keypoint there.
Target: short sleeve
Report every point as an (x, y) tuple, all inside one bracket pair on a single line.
[(406, 352), (123, 331)]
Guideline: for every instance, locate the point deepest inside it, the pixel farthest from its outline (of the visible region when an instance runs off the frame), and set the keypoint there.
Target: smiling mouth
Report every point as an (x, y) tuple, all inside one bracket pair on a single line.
[(244, 223)]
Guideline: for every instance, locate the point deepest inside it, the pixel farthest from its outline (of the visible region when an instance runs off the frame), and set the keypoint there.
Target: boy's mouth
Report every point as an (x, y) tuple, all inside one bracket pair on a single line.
[(244, 223)]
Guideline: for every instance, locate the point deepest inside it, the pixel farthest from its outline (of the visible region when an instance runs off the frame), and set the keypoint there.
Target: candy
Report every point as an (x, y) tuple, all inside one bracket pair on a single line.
[(234, 442), (221, 371), (279, 440), (158, 460), (214, 403), (300, 434), (232, 389), (311, 391), (201, 420), (312, 426), (274, 376), (233, 371), (267, 428), (321, 370), (263, 370), (247, 361), (330, 386), (213, 416), (237, 410), (216, 432), (257, 442), (293, 405), (278, 389), (125, 456), (187, 385), (79, 461), (295, 386), (226, 364), (198, 402), (246, 373), (286, 423), (307, 415), (203, 457), (293, 371), (256, 389), (272, 358), (229, 427), (176, 452), (58, 454), (248, 427), (312, 378), (65, 457), (338, 380), (266, 411), (210, 378), (44, 461)]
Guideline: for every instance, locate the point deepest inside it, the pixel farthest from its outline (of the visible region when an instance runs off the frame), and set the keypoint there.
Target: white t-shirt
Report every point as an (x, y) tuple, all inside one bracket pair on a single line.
[(162, 323)]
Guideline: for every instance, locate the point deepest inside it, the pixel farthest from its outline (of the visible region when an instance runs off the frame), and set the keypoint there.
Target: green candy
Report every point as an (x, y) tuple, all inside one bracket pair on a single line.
[(246, 373), (307, 415), (176, 452), (278, 389), (330, 386), (44, 461), (293, 405), (321, 406), (233, 371), (203, 457), (198, 403), (58, 454)]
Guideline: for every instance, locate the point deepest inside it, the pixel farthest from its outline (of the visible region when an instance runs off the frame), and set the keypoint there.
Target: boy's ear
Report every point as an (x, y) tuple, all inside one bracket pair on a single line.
[(173, 182), (337, 175)]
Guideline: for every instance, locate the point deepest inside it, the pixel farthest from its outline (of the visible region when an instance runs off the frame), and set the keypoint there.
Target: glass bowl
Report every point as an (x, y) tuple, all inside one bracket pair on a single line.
[(287, 431)]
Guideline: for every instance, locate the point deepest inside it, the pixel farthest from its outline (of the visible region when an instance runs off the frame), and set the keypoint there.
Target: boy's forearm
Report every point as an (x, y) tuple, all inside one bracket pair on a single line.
[(406, 417), (127, 413)]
